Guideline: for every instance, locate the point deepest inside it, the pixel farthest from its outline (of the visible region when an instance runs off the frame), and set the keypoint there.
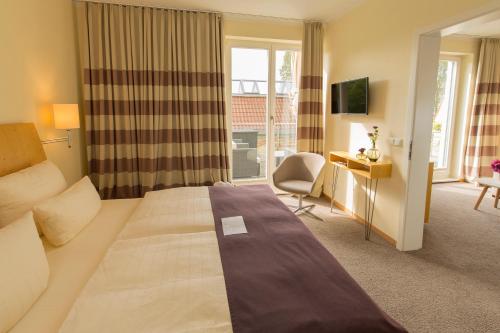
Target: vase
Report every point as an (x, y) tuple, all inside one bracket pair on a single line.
[(496, 176), (361, 156), (373, 154)]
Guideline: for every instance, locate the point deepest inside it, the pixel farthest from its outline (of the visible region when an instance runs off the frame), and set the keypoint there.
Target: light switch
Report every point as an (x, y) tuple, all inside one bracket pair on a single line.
[(397, 142)]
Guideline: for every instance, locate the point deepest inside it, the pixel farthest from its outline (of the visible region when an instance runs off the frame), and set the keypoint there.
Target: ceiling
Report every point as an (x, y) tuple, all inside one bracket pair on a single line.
[(486, 29), (487, 25), (324, 10)]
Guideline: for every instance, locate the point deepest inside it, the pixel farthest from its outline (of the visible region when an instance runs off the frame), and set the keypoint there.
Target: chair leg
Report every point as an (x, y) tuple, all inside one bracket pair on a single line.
[(497, 197), (311, 214), (301, 209), (481, 196), (300, 206)]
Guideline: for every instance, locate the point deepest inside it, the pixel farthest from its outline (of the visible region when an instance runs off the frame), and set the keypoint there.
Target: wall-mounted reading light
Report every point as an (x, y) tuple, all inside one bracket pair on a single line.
[(66, 117)]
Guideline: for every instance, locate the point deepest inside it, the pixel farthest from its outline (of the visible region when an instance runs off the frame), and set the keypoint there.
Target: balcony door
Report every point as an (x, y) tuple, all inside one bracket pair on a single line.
[(263, 106)]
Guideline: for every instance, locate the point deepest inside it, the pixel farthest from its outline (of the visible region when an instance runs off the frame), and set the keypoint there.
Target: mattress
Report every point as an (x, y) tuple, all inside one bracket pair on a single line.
[(72, 265), (162, 274), (164, 283)]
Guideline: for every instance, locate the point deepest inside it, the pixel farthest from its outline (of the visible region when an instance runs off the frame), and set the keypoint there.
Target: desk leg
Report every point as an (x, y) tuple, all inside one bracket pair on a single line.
[(370, 192), (335, 177)]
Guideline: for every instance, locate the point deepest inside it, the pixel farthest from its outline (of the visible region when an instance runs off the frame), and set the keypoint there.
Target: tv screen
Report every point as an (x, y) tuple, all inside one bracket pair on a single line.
[(350, 97)]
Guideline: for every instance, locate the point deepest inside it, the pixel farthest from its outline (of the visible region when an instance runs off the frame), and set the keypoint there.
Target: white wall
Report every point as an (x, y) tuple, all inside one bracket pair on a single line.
[(377, 40), (38, 63), (39, 67), (262, 27)]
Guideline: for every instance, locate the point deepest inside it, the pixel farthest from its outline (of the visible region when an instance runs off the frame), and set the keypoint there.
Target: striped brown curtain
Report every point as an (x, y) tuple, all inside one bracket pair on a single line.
[(154, 98), (483, 145), (310, 114)]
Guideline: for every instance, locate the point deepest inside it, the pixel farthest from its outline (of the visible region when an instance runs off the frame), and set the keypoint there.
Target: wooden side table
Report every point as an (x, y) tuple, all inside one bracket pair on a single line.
[(487, 183), (371, 171)]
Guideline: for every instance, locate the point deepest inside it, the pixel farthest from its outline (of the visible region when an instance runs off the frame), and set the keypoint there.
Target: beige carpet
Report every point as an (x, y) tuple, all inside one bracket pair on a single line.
[(451, 285)]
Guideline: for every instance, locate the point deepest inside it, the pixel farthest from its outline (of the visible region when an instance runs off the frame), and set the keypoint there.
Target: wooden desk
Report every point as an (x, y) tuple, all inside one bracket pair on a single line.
[(370, 171)]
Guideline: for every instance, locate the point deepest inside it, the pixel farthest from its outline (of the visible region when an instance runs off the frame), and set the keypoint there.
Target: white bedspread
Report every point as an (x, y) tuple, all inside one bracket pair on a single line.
[(163, 274), (174, 211), (71, 266)]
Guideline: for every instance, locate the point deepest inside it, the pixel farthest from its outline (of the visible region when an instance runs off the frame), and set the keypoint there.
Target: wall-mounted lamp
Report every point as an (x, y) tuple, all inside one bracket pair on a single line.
[(66, 116)]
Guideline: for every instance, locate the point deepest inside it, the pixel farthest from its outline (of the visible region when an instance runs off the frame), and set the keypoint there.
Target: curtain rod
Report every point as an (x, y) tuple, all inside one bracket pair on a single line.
[(253, 16), (127, 3)]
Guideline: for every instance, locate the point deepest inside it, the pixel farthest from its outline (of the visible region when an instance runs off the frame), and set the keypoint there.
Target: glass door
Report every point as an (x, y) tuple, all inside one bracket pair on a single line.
[(249, 111), (264, 103), (442, 126)]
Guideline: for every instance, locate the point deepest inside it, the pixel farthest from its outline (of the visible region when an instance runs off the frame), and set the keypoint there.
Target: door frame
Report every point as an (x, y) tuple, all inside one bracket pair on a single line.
[(271, 45), (425, 55)]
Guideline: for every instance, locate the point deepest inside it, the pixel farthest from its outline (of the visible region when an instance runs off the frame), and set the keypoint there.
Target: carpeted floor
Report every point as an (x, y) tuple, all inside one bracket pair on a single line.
[(451, 285)]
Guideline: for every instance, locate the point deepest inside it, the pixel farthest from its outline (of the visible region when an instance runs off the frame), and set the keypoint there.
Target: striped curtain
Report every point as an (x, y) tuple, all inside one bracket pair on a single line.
[(483, 145), (310, 113), (153, 86)]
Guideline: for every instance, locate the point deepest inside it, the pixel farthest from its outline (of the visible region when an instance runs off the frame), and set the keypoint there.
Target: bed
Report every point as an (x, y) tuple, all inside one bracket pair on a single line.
[(163, 264)]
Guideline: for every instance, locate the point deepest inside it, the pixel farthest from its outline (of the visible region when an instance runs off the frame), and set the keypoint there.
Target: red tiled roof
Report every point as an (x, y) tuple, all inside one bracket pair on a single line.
[(250, 112)]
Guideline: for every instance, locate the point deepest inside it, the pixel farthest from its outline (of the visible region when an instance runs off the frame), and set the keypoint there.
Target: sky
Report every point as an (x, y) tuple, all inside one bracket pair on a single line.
[(252, 64)]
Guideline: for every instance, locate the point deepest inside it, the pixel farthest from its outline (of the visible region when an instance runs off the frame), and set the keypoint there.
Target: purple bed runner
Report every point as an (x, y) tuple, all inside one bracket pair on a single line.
[(279, 278)]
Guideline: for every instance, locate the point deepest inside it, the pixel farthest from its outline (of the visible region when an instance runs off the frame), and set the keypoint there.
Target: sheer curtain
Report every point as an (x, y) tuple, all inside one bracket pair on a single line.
[(483, 144), (153, 86)]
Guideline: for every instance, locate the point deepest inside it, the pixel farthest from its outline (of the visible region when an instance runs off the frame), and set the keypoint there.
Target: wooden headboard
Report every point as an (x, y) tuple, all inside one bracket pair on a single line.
[(20, 147)]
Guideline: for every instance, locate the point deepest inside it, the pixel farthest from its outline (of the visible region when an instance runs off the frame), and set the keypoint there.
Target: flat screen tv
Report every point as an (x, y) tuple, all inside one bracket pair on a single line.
[(350, 97)]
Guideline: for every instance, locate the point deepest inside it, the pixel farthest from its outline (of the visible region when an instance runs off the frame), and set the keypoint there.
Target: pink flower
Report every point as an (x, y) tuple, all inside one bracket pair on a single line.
[(495, 166)]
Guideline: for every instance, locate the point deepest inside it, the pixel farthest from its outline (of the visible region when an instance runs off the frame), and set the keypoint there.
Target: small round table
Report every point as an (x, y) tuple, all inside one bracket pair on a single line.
[(487, 183)]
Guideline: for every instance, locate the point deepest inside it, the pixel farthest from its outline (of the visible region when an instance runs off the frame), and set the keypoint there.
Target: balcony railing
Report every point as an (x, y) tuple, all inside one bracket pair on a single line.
[(259, 87)]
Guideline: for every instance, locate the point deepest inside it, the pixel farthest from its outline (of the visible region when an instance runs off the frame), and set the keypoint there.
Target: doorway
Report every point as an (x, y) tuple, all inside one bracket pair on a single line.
[(263, 106), (422, 98)]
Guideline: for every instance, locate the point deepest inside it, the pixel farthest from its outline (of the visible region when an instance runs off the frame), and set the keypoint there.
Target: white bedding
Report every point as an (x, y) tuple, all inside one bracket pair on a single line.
[(174, 211), (72, 265), (162, 274)]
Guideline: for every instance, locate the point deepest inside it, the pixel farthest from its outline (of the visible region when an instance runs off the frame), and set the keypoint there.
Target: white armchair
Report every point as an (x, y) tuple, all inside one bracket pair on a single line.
[(297, 174)]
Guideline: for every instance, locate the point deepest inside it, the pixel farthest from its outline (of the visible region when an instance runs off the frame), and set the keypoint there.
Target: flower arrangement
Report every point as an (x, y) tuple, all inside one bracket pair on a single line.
[(373, 153), (374, 136), (495, 166)]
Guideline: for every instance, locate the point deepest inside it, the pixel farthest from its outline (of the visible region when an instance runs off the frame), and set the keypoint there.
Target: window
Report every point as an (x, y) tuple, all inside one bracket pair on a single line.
[(444, 107)]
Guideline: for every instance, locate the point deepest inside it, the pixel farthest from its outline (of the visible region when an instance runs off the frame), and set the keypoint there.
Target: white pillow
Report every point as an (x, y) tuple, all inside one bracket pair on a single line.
[(62, 217), (21, 190), (25, 271)]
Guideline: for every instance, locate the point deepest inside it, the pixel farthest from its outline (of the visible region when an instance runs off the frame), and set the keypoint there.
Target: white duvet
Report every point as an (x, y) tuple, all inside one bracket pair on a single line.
[(162, 274)]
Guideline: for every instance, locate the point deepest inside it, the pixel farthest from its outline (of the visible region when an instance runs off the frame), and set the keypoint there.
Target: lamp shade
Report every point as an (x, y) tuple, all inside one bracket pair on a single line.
[(66, 116)]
